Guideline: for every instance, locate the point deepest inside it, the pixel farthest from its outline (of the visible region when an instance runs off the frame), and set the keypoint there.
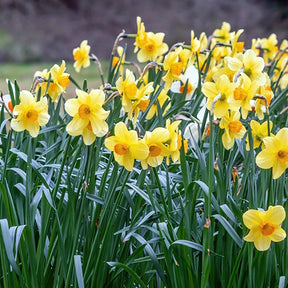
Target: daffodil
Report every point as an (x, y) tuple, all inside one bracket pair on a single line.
[(269, 46), (55, 81), (234, 129), (126, 147), (30, 114), (157, 149), (59, 78), (87, 113), (120, 59), (127, 88), (174, 142), (149, 45), (223, 34), (141, 102), (189, 79), (243, 94), (173, 67), (275, 153), (258, 131), (249, 64), (81, 56), (264, 226), (218, 94)]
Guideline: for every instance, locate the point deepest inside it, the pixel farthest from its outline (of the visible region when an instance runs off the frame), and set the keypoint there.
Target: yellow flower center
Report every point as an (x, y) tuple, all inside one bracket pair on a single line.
[(10, 106), (31, 115), (248, 72), (154, 150), (240, 94), (235, 126), (115, 61), (239, 46), (150, 46), (84, 111), (130, 90), (121, 148), (176, 68), (143, 104), (282, 155), (78, 55), (64, 81), (189, 88), (267, 228)]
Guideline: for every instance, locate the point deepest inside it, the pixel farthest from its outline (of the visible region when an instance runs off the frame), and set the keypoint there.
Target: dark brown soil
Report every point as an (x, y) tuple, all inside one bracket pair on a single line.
[(49, 30)]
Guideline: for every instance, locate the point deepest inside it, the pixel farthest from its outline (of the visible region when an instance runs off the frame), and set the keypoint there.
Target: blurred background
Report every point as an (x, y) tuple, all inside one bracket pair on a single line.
[(34, 31)]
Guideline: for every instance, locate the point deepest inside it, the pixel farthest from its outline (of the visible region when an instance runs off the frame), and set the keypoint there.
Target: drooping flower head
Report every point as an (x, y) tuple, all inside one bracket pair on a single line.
[(81, 56), (275, 153), (30, 114), (88, 115), (126, 147), (264, 226)]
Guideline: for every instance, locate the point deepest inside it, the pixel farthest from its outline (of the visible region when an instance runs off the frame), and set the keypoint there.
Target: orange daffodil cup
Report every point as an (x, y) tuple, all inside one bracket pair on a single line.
[(264, 226)]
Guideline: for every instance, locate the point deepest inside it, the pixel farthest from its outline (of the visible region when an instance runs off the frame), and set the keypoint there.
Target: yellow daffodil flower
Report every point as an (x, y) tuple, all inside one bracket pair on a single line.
[(88, 115), (157, 150), (126, 147), (173, 67), (258, 131), (127, 88), (248, 63), (269, 46), (218, 94), (223, 35), (275, 153), (149, 45), (264, 226), (243, 94), (30, 114), (81, 56), (233, 129)]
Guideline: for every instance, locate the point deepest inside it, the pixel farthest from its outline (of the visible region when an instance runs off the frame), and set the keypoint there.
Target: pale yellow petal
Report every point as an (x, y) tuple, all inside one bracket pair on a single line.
[(252, 218), (88, 137), (262, 243), (265, 160), (72, 107), (278, 235), (139, 150)]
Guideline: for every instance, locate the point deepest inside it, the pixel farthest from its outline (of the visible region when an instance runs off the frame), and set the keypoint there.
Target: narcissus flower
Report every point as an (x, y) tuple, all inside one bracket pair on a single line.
[(81, 56), (55, 81), (150, 45), (126, 146), (88, 115), (218, 94), (258, 131), (264, 226), (223, 35), (157, 150), (30, 114), (275, 153), (233, 129)]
